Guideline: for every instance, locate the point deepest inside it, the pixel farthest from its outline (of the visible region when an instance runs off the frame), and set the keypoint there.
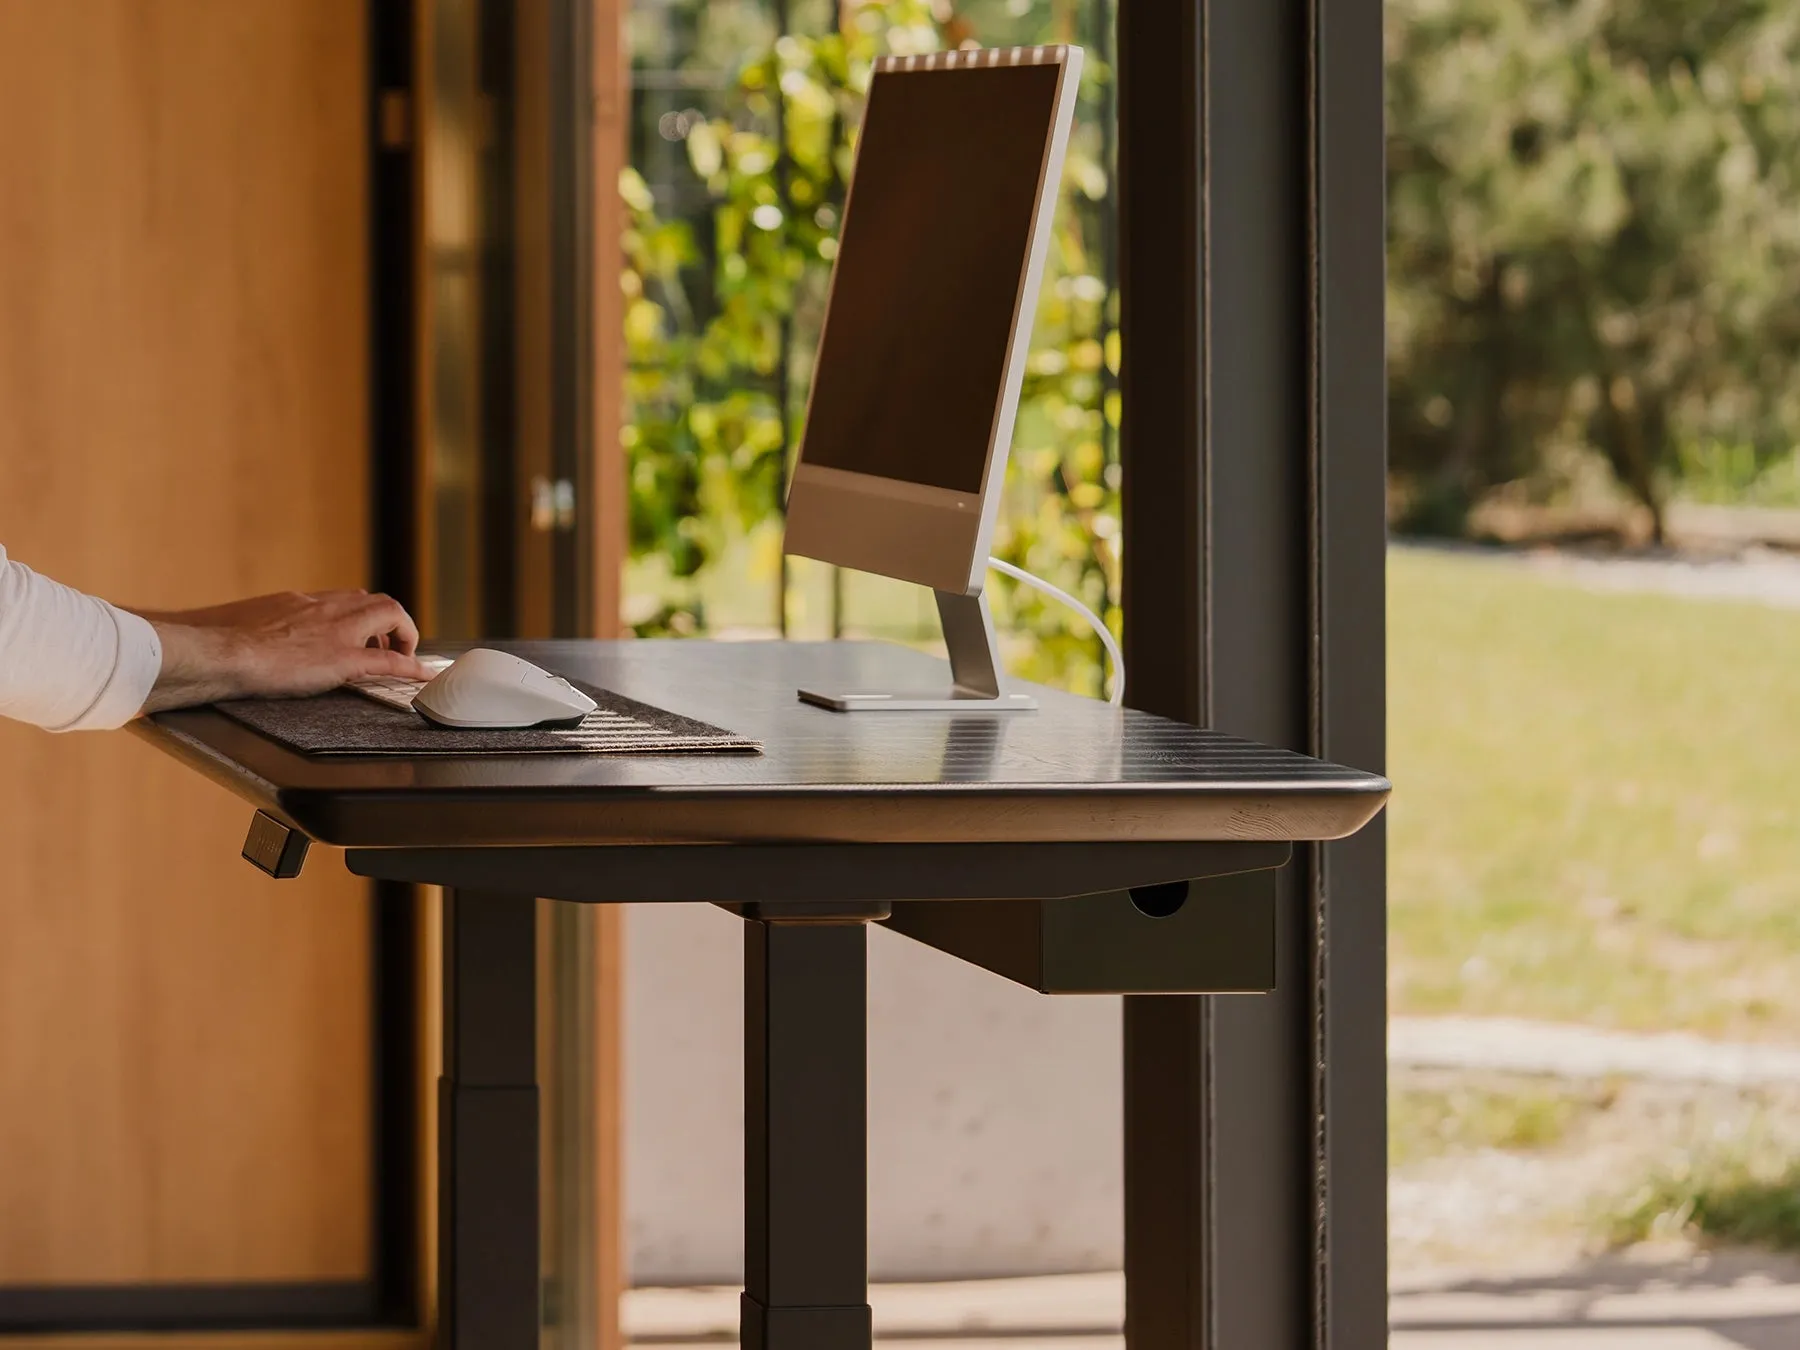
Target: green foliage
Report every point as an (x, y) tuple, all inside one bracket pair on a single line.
[(1733, 473), (1593, 237), (1733, 1199), (723, 316)]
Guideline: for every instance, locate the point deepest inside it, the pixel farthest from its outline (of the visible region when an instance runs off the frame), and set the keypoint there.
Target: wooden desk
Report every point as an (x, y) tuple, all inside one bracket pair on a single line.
[(1076, 847)]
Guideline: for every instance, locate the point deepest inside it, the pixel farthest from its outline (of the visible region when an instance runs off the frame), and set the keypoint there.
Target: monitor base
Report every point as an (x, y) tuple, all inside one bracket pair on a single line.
[(974, 670)]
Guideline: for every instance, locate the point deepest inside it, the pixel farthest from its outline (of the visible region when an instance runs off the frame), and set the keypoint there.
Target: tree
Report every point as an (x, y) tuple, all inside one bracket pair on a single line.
[(1594, 238)]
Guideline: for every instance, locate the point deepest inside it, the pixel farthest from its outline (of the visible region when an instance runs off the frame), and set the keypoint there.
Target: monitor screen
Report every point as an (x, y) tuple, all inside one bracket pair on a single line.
[(929, 268)]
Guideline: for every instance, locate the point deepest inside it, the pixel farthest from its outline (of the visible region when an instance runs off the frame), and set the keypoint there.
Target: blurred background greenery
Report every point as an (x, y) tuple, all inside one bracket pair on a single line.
[(1594, 251)]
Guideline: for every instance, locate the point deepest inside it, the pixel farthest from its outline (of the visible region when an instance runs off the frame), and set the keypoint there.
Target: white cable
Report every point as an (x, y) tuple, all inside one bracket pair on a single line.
[(1094, 621)]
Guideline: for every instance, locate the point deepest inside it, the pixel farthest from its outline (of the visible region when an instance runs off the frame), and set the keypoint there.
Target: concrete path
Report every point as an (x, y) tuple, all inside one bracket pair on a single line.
[(1759, 575), (1515, 1045), (1704, 1301), (1723, 1301)]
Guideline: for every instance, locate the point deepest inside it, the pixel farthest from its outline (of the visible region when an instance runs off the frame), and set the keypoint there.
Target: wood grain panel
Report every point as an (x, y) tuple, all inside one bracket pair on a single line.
[(417, 1339), (184, 1057)]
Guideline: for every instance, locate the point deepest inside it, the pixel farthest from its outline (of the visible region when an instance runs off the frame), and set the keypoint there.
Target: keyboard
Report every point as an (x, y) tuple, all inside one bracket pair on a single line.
[(396, 692)]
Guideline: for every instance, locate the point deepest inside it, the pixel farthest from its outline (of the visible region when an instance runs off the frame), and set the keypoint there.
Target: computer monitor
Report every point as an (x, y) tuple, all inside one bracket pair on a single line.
[(929, 319)]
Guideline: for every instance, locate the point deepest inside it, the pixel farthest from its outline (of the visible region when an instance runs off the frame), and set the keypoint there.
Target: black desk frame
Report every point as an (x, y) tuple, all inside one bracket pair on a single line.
[(805, 1043), (488, 1175)]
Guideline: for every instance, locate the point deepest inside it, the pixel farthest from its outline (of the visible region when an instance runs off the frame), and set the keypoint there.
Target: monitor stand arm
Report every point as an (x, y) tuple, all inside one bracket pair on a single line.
[(975, 677)]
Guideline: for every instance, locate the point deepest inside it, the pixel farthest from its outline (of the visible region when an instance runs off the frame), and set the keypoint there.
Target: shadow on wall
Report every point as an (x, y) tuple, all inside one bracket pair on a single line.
[(994, 1113)]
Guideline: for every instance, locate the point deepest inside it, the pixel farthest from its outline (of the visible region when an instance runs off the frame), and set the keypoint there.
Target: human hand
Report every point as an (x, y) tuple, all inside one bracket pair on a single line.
[(279, 646)]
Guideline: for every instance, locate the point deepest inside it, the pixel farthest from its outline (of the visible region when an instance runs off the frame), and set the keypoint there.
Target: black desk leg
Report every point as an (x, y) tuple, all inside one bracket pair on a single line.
[(806, 1267), (488, 1125)]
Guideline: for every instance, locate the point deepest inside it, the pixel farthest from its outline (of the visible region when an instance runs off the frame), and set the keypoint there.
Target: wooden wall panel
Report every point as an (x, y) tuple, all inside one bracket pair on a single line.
[(370, 1339), (184, 1047)]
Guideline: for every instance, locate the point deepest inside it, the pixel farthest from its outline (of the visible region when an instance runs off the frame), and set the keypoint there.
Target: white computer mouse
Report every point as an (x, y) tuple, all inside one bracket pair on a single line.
[(494, 690)]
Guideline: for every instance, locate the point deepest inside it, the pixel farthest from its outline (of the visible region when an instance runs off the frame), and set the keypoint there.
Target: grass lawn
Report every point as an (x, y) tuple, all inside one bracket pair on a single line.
[(1730, 1199), (1457, 1113), (1597, 802)]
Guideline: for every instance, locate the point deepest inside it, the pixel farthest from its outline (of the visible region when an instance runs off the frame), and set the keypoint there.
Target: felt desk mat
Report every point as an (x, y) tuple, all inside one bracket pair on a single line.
[(346, 723)]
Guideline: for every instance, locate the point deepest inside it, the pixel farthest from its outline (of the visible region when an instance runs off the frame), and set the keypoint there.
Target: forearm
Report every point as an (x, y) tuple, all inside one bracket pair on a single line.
[(70, 661), (199, 665)]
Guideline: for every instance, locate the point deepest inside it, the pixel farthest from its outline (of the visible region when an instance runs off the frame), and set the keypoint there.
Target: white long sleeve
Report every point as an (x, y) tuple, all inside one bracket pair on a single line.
[(68, 661)]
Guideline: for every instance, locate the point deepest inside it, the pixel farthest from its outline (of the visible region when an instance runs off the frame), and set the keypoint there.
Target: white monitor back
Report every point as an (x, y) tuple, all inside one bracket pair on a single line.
[(928, 324)]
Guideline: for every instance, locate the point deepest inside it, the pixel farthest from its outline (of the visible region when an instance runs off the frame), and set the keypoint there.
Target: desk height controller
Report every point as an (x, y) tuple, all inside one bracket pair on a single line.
[(279, 850)]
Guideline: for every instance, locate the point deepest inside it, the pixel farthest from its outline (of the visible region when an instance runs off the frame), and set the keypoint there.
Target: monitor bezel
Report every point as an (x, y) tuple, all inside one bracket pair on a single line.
[(934, 536)]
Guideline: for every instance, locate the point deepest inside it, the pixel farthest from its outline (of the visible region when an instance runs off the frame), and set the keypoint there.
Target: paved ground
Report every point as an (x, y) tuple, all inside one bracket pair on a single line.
[(1762, 575), (1515, 1045), (1676, 1301)]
